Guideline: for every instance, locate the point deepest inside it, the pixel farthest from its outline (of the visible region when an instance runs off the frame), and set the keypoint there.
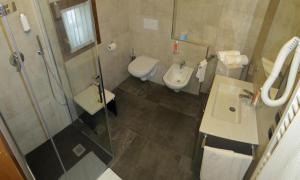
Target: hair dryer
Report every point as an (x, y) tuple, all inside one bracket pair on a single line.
[(281, 58)]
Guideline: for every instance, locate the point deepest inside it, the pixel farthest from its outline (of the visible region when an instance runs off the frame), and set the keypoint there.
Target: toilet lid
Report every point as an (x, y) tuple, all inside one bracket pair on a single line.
[(142, 65)]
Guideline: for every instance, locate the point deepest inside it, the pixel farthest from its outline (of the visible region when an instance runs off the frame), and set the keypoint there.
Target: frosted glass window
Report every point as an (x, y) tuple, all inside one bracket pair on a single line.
[(78, 25)]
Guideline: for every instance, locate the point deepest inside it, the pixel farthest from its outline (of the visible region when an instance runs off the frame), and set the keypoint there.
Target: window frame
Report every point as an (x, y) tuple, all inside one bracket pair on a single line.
[(61, 31)]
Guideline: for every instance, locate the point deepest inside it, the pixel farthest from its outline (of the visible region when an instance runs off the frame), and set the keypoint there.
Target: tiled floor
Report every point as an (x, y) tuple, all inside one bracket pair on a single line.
[(44, 163), (154, 134)]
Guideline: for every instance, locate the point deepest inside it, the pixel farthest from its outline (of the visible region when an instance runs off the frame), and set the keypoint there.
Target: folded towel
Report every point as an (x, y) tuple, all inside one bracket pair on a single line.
[(215, 163), (240, 165), (236, 59), (223, 164), (222, 54)]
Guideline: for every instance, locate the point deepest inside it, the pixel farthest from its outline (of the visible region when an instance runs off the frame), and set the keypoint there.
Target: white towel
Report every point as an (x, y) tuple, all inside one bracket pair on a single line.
[(215, 163), (240, 165), (222, 54), (223, 164), (201, 71), (236, 60)]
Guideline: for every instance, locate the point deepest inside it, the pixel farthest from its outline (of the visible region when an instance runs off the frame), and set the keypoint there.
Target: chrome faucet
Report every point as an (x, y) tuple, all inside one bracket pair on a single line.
[(248, 95), (182, 64)]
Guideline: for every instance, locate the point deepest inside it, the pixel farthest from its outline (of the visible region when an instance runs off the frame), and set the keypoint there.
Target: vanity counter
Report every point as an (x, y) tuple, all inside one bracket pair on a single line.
[(227, 115)]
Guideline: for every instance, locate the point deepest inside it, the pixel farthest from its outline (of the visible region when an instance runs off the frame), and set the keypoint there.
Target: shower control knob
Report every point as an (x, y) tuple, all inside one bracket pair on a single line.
[(14, 60)]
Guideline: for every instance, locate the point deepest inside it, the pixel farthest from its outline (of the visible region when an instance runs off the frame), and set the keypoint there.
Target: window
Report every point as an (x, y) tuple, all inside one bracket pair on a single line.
[(73, 21), (78, 25)]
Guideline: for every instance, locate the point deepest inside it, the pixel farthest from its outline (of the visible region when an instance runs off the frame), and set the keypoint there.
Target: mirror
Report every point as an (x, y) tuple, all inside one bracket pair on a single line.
[(218, 23)]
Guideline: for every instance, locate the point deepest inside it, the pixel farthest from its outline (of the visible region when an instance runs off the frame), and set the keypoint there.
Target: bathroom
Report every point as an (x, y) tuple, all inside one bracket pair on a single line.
[(114, 89)]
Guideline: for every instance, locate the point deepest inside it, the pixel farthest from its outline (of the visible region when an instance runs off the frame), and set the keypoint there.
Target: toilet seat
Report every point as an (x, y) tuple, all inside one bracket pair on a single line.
[(142, 66)]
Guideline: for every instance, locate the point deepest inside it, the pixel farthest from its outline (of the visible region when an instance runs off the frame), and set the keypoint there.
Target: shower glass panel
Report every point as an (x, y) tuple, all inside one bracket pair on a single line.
[(24, 110), (53, 132), (72, 36), (72, 33)]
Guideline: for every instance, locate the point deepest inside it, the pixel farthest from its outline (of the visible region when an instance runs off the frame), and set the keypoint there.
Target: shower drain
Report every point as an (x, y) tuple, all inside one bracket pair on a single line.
[(78, 150)]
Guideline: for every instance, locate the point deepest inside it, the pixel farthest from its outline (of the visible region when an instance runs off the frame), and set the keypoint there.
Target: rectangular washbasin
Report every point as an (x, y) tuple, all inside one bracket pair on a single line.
[(227, 104), (228, 116)]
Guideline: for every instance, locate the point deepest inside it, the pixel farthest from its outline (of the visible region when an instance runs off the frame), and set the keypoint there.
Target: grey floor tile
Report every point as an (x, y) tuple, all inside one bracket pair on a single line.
[(126, 165), (135, 113), (44, 163), (155, 131), (136, 87), (121, 140), (174, 130), (182, 102)]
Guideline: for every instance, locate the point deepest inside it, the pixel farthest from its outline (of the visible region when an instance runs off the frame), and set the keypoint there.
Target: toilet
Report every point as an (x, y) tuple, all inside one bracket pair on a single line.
[(143, 67)]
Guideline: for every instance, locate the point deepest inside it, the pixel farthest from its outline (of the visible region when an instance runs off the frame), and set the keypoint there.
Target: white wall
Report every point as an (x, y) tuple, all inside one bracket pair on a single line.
[(114, 26), (229, 28)]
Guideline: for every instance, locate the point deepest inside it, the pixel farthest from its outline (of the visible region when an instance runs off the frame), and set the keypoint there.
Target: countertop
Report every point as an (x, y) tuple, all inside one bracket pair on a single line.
[(243, 131)]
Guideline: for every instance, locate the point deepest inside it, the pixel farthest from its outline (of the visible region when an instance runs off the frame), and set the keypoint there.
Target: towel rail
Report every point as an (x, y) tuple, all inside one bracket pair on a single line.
[(292, 109), (205, 139)]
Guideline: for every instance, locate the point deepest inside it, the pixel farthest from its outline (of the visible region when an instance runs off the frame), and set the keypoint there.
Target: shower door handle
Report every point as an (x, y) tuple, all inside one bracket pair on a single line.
[(41, 49)]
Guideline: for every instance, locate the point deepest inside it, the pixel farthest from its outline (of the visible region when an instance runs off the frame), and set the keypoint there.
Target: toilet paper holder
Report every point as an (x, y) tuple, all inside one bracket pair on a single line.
[(112, 46)]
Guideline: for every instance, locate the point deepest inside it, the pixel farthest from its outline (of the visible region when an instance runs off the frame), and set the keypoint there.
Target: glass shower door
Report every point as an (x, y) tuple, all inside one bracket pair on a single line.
[(72, 33), (19, 104), (38, 106)]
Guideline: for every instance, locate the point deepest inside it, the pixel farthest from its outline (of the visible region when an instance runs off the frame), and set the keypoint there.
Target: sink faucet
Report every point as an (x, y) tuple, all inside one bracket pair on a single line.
[(182, 64), (248, 95)]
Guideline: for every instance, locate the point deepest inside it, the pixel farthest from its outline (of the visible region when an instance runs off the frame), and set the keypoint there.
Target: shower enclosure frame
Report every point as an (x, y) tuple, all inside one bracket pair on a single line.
[(28, 85), (21, 69), (97, 60)]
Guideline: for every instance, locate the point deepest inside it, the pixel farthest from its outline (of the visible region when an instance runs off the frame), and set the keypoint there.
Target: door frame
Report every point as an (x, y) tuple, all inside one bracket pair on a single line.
[(7, 151), (14, 150)]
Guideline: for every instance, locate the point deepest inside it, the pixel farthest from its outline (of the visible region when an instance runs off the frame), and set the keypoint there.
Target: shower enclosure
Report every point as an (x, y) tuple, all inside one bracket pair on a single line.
[(38, 85)]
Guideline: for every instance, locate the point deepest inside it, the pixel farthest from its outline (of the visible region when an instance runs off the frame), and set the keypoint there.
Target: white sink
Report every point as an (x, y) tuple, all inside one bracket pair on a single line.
[(227, 104), (228, 116)]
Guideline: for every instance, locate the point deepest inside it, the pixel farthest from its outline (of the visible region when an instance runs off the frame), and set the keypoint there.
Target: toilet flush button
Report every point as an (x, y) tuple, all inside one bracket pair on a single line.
[(151, 24)]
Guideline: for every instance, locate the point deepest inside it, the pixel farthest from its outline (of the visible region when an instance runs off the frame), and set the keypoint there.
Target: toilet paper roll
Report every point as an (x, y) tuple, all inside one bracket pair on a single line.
[(222, 54), (112, 47), (239, 60)]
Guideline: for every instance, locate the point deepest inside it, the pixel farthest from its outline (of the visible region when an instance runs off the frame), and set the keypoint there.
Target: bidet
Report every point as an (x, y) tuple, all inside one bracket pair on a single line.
[(177, 77)]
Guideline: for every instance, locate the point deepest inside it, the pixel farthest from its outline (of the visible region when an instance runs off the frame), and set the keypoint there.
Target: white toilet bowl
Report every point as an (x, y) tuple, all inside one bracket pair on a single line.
[(177, 78), (143, 67)]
